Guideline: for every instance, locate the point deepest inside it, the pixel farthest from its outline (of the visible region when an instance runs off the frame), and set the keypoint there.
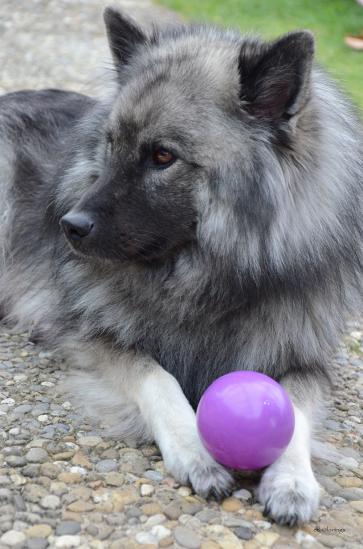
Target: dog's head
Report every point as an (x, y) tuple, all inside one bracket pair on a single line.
[(182, 141)]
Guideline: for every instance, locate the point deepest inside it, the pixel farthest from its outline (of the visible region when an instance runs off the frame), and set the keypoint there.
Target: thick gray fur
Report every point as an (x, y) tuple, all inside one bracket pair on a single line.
[(244, 253)]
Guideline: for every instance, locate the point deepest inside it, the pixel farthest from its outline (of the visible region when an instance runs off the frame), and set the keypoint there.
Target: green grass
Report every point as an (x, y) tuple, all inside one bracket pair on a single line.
[(330, 20)]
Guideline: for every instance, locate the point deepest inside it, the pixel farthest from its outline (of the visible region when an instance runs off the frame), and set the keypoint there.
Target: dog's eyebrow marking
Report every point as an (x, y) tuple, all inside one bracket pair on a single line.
[(156, 80)]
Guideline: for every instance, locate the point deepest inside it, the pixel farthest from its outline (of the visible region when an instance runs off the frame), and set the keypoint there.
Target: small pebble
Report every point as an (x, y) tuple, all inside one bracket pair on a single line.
[(357, 505), (106, 466), (187, 538), (173, 510), (184, 491), (36, 455), (151, 509), (147, 489), (231, 505), (67, 541), (114, 479), (160, 532), (242, 494), (146, 538), (262, 524), (50, 501), (267, 538), (19, 502), (153, 475), (13, 538), (39, 531), (89, 441), (69, 478), (36, 543), (305, 539), (155, 520), (80, 506), (8, 402), (67, 527), (243, 533), (15, 461)]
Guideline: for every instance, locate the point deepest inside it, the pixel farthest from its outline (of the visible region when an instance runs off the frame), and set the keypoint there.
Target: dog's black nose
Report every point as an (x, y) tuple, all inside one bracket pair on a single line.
[(76, 225)]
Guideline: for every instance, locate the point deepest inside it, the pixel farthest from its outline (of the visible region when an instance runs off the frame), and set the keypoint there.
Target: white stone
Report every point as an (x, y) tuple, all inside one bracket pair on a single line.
[(20, 377), (101, 498), (305, 538), (190, 521), (17, 479), (145, 538), (160, 532), (184, 491), (154, 520), (147, 489), (50, 501), (263, 524), (67, 541), (12, 538), (78, 469), (43, 418), (72, 445), (47, 384), (8, 402), (243, 494)]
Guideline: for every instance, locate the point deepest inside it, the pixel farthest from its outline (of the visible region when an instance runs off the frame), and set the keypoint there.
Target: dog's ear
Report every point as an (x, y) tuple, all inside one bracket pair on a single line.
[(123, 34), (275, 77)]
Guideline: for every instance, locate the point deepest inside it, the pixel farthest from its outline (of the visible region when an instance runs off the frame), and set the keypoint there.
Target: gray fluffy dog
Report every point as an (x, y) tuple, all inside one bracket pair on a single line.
[(204, 217)]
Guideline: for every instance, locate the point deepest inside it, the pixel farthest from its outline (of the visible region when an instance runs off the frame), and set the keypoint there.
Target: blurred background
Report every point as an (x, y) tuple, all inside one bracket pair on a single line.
[(61, 43), (330, 21)]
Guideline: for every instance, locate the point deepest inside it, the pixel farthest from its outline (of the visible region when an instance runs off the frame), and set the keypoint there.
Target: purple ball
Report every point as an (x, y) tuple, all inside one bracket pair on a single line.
[(245, 420)]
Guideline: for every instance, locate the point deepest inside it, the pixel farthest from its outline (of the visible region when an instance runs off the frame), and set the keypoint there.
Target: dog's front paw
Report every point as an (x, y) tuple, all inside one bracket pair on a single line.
[(289, 498), (193, 464), (209, 478)]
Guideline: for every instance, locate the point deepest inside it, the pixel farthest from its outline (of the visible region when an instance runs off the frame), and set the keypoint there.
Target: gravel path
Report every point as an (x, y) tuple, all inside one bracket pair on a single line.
[(63, 484)]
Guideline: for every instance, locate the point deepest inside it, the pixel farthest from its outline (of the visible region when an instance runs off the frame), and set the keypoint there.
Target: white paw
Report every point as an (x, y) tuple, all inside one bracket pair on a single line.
[(289, 497), (191, 463)]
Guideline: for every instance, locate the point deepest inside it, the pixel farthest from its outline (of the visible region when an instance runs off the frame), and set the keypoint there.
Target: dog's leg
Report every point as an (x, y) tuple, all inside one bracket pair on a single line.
[(165, 415), (288, 488), (172, 422), (146, 403)]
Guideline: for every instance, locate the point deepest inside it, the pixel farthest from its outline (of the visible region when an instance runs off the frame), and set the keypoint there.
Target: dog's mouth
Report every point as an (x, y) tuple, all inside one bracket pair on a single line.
[(84, 242), (91, 237)]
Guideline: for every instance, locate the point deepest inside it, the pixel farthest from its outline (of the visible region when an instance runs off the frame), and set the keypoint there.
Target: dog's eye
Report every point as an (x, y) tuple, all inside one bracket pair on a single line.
[(162, 158)]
